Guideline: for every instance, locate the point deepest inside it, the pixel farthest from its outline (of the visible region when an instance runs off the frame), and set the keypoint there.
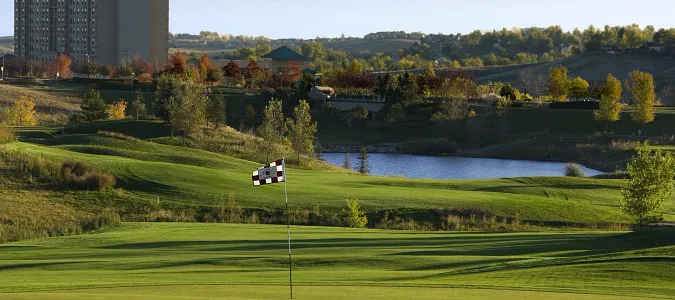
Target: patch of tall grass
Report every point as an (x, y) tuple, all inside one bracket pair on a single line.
[(68, 174)]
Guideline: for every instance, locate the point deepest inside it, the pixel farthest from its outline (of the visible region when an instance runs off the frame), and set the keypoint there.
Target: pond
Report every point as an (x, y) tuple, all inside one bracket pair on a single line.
[(452, 167)]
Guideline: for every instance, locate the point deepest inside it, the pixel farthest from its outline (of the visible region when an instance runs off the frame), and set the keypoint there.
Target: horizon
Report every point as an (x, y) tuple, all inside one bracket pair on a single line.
[(377, 17)]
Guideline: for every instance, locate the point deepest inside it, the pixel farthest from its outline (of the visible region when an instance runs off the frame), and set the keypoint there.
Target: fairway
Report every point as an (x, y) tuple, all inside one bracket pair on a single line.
[(208, 261)]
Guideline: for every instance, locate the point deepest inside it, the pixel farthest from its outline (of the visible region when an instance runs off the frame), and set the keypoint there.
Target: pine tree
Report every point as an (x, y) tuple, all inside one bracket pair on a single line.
[(216, 111), (610, 108), (363, 166), (93, 106)]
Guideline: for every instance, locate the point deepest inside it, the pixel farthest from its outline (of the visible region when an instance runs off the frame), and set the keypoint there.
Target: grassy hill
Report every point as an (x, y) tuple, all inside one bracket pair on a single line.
[(366, 48), (180, 178), (6, 44), (209, 261), (593, 66)]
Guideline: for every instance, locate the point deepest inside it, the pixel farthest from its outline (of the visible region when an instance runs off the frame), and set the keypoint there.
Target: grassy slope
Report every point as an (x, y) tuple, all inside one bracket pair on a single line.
[(47, 99), (593, 66), (370, 47), (7, 44), (160, 261), (181, 177)]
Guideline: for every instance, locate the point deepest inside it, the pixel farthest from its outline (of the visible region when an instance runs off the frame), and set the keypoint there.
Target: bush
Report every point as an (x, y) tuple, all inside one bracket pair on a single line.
[(95, 181), (574, 170), (7, 135), (431, 147), (83, 177), (354, 217), (77, 118)]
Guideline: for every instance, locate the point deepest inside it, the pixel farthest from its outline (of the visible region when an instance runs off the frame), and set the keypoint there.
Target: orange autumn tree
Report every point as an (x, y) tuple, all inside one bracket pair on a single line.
[(63, 63), (117, 109), (204, 65), (178, 63)]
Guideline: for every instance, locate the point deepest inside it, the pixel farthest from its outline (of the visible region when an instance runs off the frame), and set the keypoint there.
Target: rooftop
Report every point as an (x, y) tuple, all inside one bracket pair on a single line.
[(284, 53)]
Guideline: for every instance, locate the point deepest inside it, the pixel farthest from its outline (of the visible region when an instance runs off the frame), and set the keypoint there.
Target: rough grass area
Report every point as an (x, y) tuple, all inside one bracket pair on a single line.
[(209, 261)]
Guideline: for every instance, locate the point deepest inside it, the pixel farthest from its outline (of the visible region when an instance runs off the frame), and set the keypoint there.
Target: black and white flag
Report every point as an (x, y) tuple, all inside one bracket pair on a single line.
[(272, 173)]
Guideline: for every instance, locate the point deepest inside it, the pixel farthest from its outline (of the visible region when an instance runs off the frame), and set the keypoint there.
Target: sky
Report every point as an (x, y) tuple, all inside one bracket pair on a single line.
[(331, 18)]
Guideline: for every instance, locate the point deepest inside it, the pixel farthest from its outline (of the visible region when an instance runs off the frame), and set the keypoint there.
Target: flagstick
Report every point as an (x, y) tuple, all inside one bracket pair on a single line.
[(288, 227)]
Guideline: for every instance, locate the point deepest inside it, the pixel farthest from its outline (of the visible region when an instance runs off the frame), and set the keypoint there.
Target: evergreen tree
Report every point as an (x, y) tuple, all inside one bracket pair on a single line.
[(610, 108), (93, 106), (216, 111), (302, 130), (363, 166)]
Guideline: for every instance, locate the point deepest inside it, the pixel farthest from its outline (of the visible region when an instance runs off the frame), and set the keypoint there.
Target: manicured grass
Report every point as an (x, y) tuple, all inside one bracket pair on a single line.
[(165, 261), (182, 177)]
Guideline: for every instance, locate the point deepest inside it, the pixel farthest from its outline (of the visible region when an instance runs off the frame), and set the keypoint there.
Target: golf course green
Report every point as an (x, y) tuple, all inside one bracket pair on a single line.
[(209, 261)]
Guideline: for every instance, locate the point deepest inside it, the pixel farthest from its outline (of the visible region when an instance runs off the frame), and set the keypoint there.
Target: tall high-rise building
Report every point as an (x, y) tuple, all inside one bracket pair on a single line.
[(101, 31)]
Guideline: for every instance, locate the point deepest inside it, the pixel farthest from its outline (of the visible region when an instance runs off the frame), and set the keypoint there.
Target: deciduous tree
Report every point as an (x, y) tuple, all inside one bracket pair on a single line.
[(138, 105), (650, 184), (610, 108), (642, 90), (302, 129), (116, 110), (23, 112), (187, 108), (558, 84), (63, 63), (273, 128), (578, 88)]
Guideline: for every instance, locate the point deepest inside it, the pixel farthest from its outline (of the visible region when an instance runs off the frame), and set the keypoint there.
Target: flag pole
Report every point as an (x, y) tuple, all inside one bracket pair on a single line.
[(288, 228)]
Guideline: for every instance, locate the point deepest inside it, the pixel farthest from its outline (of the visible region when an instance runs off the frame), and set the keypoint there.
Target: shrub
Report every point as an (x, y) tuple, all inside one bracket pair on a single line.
[(95, 181), (7, 134), (574, 170), (145, 78), (117, 135), (77, 118), (117, 109), (354, 217)]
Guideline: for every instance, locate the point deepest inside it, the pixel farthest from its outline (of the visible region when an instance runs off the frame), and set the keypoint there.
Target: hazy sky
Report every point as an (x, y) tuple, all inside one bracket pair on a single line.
[(330, 18)]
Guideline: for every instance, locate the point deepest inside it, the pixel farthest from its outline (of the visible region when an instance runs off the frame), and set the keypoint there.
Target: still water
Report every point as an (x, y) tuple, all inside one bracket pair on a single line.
[(451, 167)]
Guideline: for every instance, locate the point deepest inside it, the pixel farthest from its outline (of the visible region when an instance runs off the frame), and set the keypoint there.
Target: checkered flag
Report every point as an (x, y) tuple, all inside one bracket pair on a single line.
[(272, 173)]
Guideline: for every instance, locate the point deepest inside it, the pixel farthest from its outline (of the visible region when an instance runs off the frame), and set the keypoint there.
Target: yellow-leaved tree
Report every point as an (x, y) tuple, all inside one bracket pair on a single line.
[(610, 108), (642, 88), (117, 109), (23, 112)]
